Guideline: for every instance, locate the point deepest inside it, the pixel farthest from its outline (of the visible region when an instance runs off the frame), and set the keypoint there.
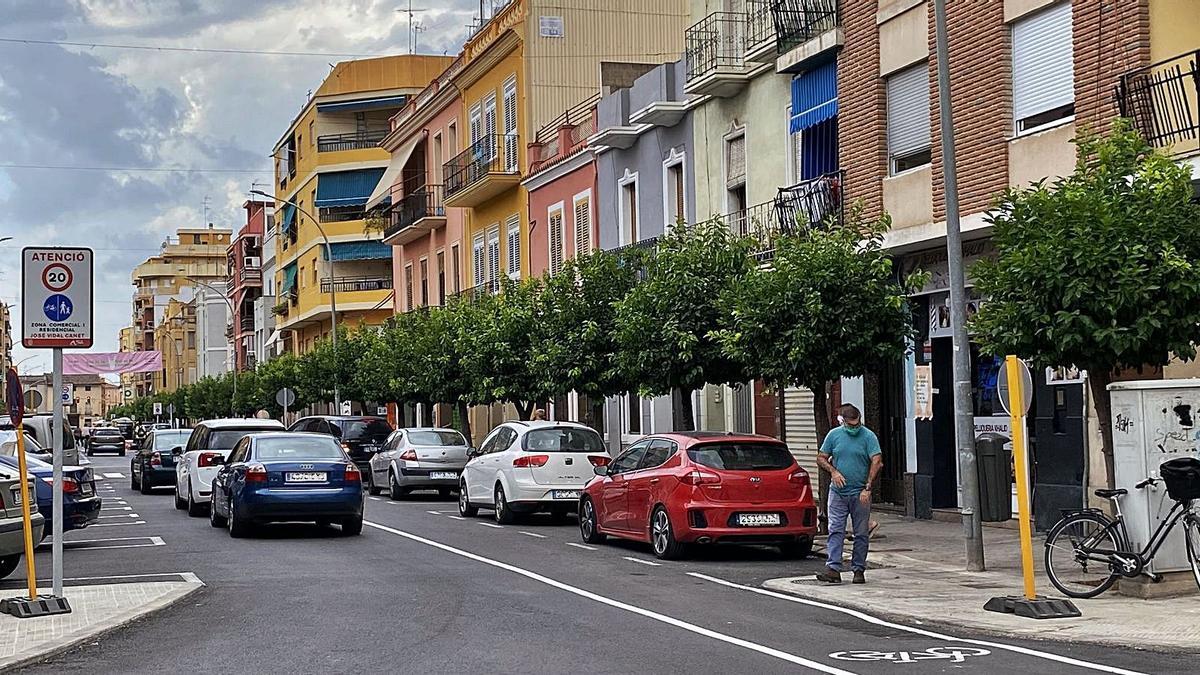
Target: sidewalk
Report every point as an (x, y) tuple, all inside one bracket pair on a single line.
[(96, 610), (917, 575)]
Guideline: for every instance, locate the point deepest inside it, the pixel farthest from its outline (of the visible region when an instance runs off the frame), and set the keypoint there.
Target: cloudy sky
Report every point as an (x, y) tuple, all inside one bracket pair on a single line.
[(151, 113)]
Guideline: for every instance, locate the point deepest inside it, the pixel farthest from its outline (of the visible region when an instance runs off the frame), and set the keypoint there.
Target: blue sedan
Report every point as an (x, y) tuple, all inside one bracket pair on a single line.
[(81, 506), (278, 477)]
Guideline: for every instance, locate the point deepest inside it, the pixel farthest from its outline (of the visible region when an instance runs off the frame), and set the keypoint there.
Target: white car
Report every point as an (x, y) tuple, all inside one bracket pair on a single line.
[(197, 464), (523, 467)]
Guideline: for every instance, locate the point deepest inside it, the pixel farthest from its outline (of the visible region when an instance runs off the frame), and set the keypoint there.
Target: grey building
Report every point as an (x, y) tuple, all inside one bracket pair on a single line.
[(212, 331)]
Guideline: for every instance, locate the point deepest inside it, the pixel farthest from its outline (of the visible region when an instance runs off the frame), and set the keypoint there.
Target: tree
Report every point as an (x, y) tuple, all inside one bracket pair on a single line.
[(664, 324), (500, 344), (1100, 269), (828, 306)]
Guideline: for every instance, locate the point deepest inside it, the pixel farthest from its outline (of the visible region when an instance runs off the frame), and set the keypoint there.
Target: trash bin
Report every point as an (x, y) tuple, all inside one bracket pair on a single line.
[(994, 463)]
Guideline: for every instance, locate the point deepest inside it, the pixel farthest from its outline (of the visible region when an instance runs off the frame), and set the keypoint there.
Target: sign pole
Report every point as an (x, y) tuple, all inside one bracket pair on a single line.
[(57, 545)]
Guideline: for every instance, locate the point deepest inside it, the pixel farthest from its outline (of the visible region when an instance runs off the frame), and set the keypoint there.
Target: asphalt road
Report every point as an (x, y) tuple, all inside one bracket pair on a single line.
[(423, 591)]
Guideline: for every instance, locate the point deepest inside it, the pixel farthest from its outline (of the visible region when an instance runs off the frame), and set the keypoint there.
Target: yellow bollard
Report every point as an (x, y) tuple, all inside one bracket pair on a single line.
[(1016, 404), (29, 570)]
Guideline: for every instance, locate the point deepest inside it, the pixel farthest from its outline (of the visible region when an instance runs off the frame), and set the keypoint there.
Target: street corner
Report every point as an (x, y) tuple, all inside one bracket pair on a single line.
[(96, 611)]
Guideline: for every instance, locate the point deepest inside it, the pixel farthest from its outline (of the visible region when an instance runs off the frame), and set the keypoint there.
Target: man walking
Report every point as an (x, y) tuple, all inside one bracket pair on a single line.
[(852, 456)]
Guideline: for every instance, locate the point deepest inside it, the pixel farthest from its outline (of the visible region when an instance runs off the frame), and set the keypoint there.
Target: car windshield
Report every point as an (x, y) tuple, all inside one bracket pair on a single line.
[(366, 430), (298, 447), (170, 439), (8, 445), (563, 439), (741, 456), (30, 462), (436, 438), (225, 439)]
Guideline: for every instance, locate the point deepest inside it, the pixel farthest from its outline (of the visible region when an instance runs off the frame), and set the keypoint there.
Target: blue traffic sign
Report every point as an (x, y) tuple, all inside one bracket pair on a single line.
[(58, 307)]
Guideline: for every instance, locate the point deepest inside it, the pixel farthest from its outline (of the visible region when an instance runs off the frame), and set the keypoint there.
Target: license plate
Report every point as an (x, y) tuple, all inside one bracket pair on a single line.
[(86, 490), (306, 477), (565, 494), (759, 519), (443, 475), (16, 493)]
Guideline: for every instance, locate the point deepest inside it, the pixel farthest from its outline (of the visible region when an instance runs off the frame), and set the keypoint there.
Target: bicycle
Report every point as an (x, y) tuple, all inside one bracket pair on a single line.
[(1088, 550)]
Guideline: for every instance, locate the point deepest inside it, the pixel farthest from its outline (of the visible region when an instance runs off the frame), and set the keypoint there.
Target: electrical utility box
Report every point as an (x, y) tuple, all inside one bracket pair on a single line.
[(1153, 421)]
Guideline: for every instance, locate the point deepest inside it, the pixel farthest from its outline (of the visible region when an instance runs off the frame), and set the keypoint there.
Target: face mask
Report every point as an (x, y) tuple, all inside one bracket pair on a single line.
[(852, 430)]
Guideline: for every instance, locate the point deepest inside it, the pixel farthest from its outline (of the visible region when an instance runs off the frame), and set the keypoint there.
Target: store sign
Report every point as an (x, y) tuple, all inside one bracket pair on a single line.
[(923, 392), (56, 298), (934, 262), (939, 314), (551, 27)]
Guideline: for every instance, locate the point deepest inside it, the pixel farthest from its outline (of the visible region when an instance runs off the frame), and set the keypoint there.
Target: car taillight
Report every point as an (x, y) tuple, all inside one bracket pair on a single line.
[(531, 460), (599, 460), (155, 458), (256, 473), (799, 476), (409, 455), (70, 485), (209, 459), (352, 473), (697, 477)]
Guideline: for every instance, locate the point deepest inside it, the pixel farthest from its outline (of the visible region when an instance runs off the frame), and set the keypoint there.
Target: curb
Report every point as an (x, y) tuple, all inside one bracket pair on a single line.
[(18, 662)]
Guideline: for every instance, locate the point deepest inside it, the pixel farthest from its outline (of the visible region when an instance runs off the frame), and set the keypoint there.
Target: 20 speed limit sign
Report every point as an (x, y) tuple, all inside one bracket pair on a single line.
[(56, 298)]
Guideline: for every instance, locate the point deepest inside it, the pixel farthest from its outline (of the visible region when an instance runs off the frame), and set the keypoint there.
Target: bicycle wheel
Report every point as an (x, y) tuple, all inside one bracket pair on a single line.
[(1191, 534), (1068, 564)]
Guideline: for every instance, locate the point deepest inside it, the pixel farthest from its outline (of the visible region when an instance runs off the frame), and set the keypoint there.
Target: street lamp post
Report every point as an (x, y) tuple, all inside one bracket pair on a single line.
[(332, 290), (233, 402)]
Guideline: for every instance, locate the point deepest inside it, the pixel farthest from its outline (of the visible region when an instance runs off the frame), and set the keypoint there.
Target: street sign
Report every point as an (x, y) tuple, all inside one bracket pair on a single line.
[(171, 409), (381, 410), (128, 393), (33, 399), (68, 394), (157, 409), (56, 297), (12, 394), (1026, 386), (285, 397), (346, 409)]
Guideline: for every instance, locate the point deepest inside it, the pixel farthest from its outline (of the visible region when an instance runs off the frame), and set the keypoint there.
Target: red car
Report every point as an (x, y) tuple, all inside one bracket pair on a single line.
[(673, 490)]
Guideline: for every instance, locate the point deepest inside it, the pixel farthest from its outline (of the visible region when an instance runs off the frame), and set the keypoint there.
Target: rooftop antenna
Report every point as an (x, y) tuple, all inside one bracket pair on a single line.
[(413, 27), (205, 211)]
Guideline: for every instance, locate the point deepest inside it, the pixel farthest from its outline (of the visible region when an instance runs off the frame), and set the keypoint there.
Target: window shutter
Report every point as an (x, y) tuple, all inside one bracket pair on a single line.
[(408, 287), (908, 111), (476, 124), (1043, 62), (510, 126), (583, 227), (513, 229), (493, 256), (556, 242), (489, 127), (478, 260), (735, 161)]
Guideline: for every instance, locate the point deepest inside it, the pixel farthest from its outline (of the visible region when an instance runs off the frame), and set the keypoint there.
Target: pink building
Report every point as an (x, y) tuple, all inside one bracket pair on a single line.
[(244, 266), (562, 190), (427, 260)]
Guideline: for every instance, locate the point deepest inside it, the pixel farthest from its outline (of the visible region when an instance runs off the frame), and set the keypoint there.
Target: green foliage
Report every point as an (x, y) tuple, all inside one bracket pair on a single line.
[(500, 342)]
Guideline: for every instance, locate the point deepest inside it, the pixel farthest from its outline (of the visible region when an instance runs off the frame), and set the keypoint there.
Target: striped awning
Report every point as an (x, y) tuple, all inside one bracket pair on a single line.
[(358, 250), (346, 188), (814, 97), (289, 279), (368, 104), (289, 218)]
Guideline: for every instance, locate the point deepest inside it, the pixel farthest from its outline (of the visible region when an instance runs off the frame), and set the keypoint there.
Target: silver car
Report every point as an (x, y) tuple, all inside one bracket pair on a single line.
[(12, 523), (418, 459)]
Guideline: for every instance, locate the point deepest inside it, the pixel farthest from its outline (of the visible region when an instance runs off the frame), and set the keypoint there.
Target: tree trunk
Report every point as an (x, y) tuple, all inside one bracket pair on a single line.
[(464, 421), (524, 409), (597, 421), (822, 417), (687, 414), (1098, 381)]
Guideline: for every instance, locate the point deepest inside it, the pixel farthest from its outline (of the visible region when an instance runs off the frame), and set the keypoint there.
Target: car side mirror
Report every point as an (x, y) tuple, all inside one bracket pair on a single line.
[(601, 470), (473, 452), (177, 451)]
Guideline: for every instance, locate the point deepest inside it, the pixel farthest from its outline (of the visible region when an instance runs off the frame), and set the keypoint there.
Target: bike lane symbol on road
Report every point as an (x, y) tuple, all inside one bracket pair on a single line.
[(952, 653), (58, 307)]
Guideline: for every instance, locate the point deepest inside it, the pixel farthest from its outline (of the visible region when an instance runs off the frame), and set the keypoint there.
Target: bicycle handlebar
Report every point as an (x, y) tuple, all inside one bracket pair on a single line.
[(1148, 481)]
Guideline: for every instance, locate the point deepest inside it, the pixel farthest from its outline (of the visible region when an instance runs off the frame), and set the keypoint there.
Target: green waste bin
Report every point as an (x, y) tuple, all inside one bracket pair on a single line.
[(994, 463)]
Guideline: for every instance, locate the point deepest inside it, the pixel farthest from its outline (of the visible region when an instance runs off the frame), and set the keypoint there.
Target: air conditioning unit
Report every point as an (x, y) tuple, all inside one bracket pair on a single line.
[(253, 262), (252, 241)]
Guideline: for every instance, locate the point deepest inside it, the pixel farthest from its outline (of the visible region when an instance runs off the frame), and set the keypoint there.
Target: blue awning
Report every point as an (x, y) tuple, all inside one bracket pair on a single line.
[(814, 97), (289, 279), (289, 218), (346, 188), (358, 250), (369, 104)]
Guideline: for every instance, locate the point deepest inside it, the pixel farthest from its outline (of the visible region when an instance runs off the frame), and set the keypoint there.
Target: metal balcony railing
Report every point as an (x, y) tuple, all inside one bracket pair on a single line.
[(354, 284), (250, 274), (355, 140), (1162, 99), (247, 324), (490, 287), (495, 153), (715, 42), (760, 22), (798, 21), (813, 203), (425, 202)]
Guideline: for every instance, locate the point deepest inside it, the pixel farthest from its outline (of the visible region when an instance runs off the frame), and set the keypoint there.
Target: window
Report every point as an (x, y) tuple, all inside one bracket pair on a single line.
[(583, 224), (452, 138), (424, 282), (441, 274), (511, 153), (555, 226), (455, 268), (629, 208), (436, 438), (908, 130), (1043, 68), (629, 460), (489, 127), (314, 272), (735, 160), (437, 150), (493, 257), (408, 287), (660, 450), (478, 263), (673, 194), (513, 243), (742, 456), (300, 146), (312, 131), (476, 128), (196, 239), (633, 414), (563, 439)]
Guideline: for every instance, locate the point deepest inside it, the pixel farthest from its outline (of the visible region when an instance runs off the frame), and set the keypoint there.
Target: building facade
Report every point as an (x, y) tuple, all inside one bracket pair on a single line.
[(6, 338), (244, 264), (175, 338), (213, 330)]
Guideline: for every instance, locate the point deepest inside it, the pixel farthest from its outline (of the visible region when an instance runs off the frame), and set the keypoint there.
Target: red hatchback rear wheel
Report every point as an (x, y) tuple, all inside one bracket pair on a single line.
[(662, 536)]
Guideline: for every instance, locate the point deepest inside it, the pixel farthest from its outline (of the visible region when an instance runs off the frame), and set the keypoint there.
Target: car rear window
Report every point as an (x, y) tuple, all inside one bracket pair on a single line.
[(366, 430), (436, 438), (297, 447), (741, 456), (171, 439), (563, 439), (225, 439)]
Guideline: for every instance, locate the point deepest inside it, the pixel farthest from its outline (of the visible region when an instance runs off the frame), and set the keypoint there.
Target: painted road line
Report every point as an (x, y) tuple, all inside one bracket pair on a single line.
[(116, 508), (640, 561), (919, 631), (114, 475), (456, 517), (493, 525), (436, 513), (377, 499), (186, 576), (535, 535), (582, 546), (123, 515), (134, 522), (633, 609), (154, 541)]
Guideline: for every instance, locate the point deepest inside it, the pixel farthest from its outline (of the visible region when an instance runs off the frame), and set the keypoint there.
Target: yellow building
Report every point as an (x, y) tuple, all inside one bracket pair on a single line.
[(6, 341), (175, 337), (194, 254), (327, 164), (521, 68)]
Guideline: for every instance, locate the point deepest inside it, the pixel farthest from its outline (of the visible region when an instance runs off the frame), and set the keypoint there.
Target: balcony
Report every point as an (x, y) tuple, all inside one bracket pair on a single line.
[(1162, 99), (760, 32), (246, 324), (358, 140), (812, 203), (357, 284), (484, 289), (715, 51), (415, 214), (485, 169), (250, 275), (804, 30)]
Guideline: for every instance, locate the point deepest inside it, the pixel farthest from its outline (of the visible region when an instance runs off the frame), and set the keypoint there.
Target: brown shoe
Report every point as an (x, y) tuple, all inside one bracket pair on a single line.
[(830, 576), (859, 577)]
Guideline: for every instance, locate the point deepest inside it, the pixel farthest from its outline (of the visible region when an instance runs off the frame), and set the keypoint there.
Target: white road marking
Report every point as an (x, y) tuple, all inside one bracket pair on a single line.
[(498, 527), (375, 499), (532, 534), (919, 631), (186, 576), (135, 522), (154, 541), (123, 515), (582, 546), (116, 508), (633, 609), (640, 561), (456, 517), (114, 475), (436, 513)]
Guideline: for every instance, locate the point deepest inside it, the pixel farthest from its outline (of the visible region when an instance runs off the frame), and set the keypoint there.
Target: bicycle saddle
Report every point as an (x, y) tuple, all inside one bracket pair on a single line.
[(1109, 494)]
